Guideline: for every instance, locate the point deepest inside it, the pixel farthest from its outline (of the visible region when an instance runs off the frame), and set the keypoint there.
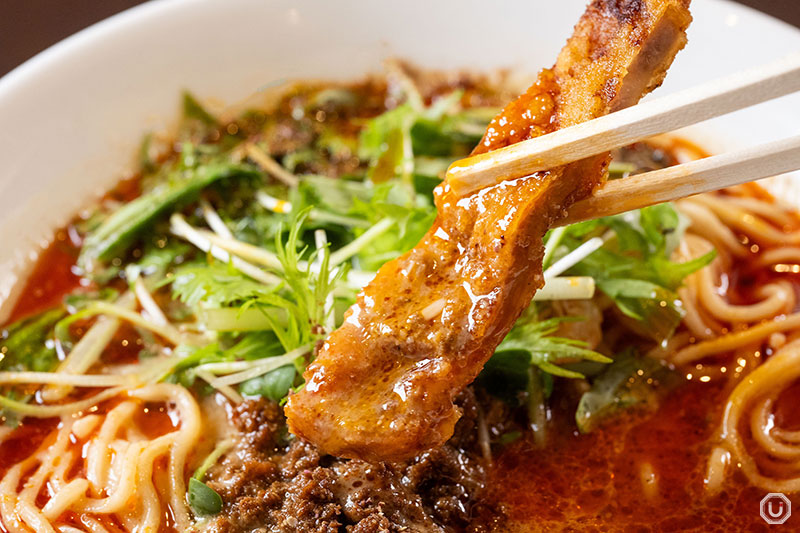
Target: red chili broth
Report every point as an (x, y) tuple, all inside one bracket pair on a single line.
[(577, 482)]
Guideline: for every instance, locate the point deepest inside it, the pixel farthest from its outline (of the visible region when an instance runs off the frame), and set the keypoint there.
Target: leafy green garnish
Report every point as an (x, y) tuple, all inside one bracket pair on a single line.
[(348, 208), (630, 381), (386, 142), (509, 437), (505, 375), (452, 135), (658, 308), (81, 299), (539, 389), (546, 351), (293, 312), (308, 288), (204, 500), (531, 344), (193, 110), (146, 163), (159, 256), (618, 169), (125, 225), (216, 284), (634, 269), (390, 141), (274, 385), (28, 344), (246, 347)]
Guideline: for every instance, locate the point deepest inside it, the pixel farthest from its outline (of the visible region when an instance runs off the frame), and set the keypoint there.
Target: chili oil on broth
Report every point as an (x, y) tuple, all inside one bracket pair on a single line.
[(642, 470), (55, 275), (647, 471), (638, 471)]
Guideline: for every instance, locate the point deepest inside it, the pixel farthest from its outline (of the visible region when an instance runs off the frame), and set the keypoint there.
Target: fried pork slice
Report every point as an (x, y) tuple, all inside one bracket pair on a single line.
[(382, 385)]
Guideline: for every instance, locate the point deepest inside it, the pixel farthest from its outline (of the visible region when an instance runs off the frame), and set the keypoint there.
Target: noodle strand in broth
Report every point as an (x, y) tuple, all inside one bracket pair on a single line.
[(114, 479), (732, 336)]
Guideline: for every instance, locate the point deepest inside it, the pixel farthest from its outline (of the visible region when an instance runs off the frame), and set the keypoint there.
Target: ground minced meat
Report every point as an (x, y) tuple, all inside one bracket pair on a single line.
[(273, 482)]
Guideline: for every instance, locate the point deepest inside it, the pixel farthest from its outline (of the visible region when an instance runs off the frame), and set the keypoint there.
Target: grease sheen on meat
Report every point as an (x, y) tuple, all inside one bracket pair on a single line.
[(382, 385)]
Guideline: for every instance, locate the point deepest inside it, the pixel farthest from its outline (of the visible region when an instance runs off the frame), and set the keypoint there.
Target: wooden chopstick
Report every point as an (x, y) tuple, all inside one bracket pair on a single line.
[(624, 127), (680, 181)]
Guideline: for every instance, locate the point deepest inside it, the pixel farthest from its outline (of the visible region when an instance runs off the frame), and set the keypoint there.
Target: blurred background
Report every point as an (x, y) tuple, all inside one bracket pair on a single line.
[(29, 26)]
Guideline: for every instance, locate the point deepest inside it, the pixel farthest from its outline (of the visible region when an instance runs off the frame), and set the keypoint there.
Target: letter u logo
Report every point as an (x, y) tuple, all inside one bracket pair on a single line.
[(772, 512), (776, 508)]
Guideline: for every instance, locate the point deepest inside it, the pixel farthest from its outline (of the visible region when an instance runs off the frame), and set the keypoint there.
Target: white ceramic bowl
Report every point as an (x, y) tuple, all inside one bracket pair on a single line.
[(72, 116)]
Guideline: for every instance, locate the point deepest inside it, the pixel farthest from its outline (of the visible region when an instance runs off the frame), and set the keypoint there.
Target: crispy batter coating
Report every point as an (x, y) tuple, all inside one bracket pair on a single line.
[(382, 386)]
